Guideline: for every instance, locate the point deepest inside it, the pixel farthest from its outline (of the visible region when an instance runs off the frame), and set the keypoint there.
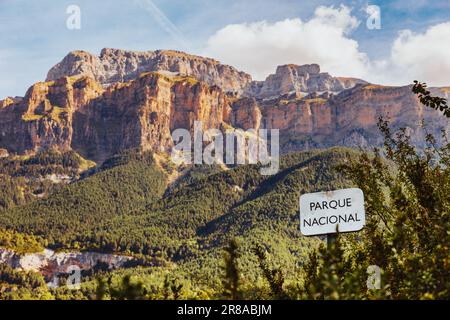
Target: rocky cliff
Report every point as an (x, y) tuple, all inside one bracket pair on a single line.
[(115, 65), (44, 117), (350, 117), (99, 106), (299, 80), (143, 113), (50, 263), (76, 112)]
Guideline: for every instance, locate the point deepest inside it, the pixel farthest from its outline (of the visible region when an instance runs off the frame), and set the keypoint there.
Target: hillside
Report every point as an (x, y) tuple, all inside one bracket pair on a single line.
[(124, 208), (85, 166), (80, 215), (28, 178)]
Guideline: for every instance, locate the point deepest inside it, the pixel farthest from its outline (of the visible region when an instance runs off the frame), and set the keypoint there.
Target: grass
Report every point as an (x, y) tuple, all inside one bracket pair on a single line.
[(55, 114), (188, 79), (316, 100), (32, 117), (374, 86), (86, 164)]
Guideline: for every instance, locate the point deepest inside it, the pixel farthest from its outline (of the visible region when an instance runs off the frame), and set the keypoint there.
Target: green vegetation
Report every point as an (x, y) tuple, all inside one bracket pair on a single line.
[(170, 78), (20, 243), (235, 234), (407, 233), (124, 207), (315, 100), (27, 178), (406, 236), (83, 214), (17, 285), (56, 114), (428, 100), (32, 117)]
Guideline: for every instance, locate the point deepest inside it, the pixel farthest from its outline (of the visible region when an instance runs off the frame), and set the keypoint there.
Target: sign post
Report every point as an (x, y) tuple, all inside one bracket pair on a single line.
[(331, 239), (331, 212)]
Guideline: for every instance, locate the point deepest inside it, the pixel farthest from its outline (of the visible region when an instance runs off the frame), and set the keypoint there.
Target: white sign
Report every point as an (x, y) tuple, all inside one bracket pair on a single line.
[(323, 212)]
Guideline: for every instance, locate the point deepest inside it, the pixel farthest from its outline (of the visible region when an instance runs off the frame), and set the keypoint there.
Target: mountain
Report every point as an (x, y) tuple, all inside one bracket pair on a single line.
[(78, 113), (299, 80), (123, 214), (98, 106), (350, 117), (126, 207), (119, 110), (115, 65)]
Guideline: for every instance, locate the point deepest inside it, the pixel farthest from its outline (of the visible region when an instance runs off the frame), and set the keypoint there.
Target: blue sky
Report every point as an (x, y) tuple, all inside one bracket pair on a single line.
[(34, 37)]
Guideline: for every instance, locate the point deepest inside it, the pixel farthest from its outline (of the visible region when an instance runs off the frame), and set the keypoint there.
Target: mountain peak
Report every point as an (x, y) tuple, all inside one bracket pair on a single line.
[(300, 69), (301, 80), (149, 94), (116, 65)]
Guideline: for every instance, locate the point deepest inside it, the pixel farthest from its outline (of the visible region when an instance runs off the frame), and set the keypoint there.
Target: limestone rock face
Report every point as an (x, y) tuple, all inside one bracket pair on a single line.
[(246, 114), (43, 118), (115, 65), (99, 106), (350, 118), (77, 113), (144, 112), (50, 263), (296, 79), (4, 153)]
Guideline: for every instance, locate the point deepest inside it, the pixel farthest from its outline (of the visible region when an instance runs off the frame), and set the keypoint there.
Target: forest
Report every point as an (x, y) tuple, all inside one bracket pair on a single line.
[(234, 234)]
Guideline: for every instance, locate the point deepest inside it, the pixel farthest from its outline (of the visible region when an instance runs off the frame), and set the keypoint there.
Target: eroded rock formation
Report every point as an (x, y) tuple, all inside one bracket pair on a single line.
[(99, 106), (115, 65), (350, 118), (298, 80), (76, 112), (50, 263)]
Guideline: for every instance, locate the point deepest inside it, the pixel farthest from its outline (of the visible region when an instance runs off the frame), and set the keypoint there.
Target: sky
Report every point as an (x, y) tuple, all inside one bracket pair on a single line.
[(411, 40)]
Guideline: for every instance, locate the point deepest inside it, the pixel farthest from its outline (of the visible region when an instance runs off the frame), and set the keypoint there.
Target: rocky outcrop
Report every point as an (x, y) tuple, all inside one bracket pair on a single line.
[(298, 80), (246, 114), (350, 118), (77, 113), (50, 263), (99, 106), (144, 112), (43, 118), (9, 101), (115, 65)]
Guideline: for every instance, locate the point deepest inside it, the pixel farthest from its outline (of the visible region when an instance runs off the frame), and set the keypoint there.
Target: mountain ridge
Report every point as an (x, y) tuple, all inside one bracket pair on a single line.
[(124, 99)]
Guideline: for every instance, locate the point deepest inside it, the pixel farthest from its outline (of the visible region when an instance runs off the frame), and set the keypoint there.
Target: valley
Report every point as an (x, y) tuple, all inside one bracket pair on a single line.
[(87, 178)]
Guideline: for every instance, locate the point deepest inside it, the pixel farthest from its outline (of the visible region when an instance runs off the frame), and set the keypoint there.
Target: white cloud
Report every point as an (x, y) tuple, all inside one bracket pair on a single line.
[(258, 48), (338, 18), (424, 56)]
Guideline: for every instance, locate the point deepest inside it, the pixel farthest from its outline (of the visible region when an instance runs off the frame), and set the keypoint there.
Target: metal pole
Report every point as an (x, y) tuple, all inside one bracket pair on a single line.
[(331, 239)]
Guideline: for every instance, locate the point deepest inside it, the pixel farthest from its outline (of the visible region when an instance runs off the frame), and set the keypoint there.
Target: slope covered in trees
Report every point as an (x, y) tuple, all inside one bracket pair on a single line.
[(24, 179), (406, 239), (81, 215), (124, 206), (234, 234)]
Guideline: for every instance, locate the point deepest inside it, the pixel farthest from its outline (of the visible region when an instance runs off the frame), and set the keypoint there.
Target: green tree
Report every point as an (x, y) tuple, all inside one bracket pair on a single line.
[(428, 100), (407, 230), (231, 280), (275, 277)]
